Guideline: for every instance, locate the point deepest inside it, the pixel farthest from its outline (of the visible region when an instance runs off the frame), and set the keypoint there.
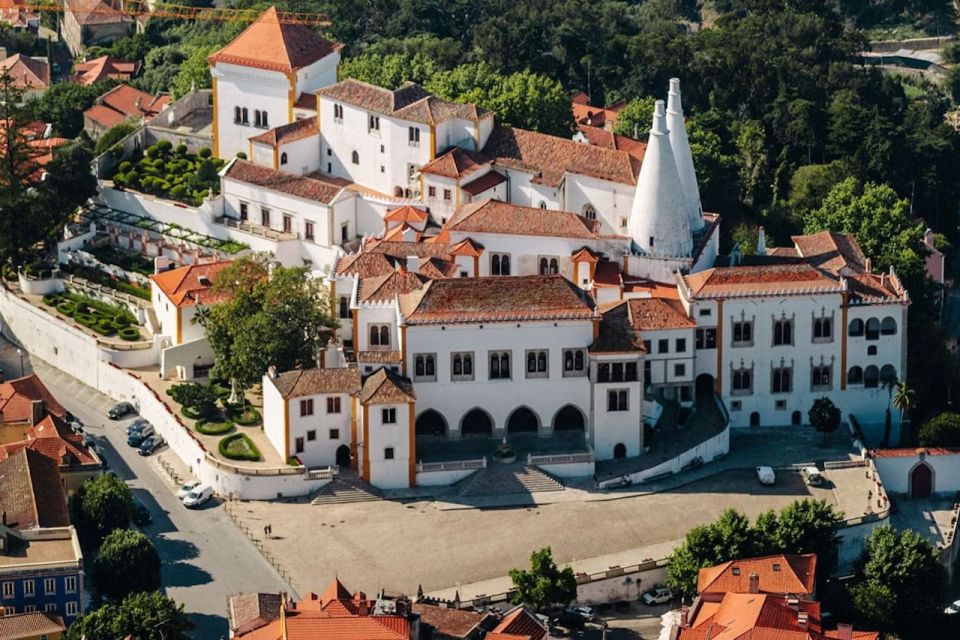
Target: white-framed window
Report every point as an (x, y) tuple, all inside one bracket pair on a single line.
[(549, 265), (574, 362), (338, 113), (30, 608), (425, 367), (447, 195), (680, 345), (9, 610), (287, 223), (388, 415), (537, 363), (333, 405), (499, 365), (706, 338), (7, 590), (50, 607), (413, 136), (379, 335), (72, 608), (741, 381), (499, 264), (618, 400), (306, 407), (49, 586), (888, 327), (29, 588), (663, 345), (461, 366), (679, 370), (70, 584), (308, 230), (244, 211), (743, 333), (782, 332)]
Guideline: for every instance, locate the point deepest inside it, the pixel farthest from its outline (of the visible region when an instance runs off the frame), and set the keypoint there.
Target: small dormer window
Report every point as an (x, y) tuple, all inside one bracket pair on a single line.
[(736, 571), (776, 566)]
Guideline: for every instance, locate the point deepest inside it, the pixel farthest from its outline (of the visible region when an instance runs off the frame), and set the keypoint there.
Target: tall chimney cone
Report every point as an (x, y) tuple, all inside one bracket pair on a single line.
[(683, 157)]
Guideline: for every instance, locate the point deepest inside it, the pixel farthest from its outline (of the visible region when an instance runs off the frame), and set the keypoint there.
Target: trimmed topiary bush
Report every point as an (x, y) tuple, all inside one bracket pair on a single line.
[(239, 447), (67, 308), (214, 427), (130, 334), (86, 319), (52, 299), (246, 417)]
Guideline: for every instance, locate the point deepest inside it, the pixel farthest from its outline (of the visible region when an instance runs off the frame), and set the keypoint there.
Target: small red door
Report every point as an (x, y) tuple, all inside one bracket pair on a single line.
[(921, 481)]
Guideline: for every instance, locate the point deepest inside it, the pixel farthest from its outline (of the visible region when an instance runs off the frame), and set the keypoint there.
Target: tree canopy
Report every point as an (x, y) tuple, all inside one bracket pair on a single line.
[(544, 584), (941, 431), (102, 505), (145, 616), (126, 563), (824, 416)]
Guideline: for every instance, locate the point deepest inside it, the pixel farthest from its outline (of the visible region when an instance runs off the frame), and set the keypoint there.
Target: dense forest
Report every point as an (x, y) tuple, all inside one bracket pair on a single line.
[(788, 131)]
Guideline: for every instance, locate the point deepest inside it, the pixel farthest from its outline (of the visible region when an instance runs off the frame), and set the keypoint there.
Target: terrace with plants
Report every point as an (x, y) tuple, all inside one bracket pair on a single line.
[(107, 320), (171, 172)]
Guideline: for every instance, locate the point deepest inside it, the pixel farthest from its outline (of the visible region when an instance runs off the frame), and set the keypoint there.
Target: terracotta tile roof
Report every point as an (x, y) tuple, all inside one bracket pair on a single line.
[(307, 102), (25, 626), (521, 622), (406, 213), (915, 453), (607, 274), (410, 102), (778, 574), (90, 12), (495, 216), (438, 268), (275, 46), (653, 314), (312, 382), (105, 116), (190, 285), (384, 387), (617, 333), (754, 616), (449, 622), (467, 247), (17, 396), (585, 254), (831, 251), (484, 183), (585, 114), (31, 493), (379, 357), (26, 72), (123, 102), (366, 264), (378, 258), (742, 281), (287, 133), (53, 438), (404, 249), (609, 140), (455, 163), (313, 187), (17, 14), (873, 288), (250, 611), (386, 287), (93, 71), (496, 299), (550, 158)]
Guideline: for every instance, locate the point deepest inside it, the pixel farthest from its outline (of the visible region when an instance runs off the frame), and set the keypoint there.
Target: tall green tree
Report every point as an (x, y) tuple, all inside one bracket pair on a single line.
[(941, 431), (102, 505), (809, 526), (145, 616), (636, 118), (544, 584), (271, 316), (824, 416), (389, 70), (126, 563), (729, 537)]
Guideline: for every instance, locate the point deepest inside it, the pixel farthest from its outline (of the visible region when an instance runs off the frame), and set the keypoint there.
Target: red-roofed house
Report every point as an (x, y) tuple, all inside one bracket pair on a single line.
[(780, 575), (178, 293), (919, 472), (260, 76), (87, 22), (102, 68), (121, 104), (30, 75), (16, 14), (601, 117)]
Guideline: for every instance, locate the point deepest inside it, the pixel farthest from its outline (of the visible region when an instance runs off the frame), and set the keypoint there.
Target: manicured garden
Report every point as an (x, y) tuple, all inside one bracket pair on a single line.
[(239, 447), (127, 260), (171, 172), (97, 276), (105, 319), (207, 404)]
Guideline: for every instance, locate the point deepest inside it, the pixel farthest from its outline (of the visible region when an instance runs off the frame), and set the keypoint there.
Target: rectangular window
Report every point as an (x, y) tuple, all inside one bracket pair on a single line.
[(680, 345), (617, 400), (537, 364), (617, 372), (9, 610), (780, 405), (333, 405), (782, 332), (308, 230), (72, 608), (706, 338), (334, 434), (663, 346), (820, 377), (736, 405), (70, 584), (447, 195), (741, 383), (306, 407), (29, 587), (822, 330), (499, 365), (461, 366), (338, 113), (50, 608), (574, 362), (781, 380), (30, 609), (379, 335), (425, 367), (679, 370), (432, 192), (373, 124), (413, 136), (287, 224), (49, 587), (647, 346), (388, 416), (743, 333), (704, 313), (244, 211), (499, 264), (265, 216), (388, 453), (298, 444), (311, 435), (646, 374)]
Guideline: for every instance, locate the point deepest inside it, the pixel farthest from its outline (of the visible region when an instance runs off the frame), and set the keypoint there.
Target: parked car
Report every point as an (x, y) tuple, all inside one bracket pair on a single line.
[(587, 613), (657, 595), (136, 426), (198, 496), (136, 438), (150, 445), (187, 487), (766, 475), (120, 410), (812, 476), (141, 515)]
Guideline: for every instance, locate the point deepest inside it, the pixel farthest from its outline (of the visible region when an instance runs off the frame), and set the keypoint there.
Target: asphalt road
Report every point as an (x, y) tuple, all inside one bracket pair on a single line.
[(205, 556)]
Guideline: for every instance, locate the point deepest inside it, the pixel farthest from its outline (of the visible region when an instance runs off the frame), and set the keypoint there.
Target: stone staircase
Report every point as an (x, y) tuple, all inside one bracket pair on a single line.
[(507, 479), (345, 489)]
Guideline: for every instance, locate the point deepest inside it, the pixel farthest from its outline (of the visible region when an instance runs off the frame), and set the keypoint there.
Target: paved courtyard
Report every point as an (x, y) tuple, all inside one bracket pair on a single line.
[(402, 545)]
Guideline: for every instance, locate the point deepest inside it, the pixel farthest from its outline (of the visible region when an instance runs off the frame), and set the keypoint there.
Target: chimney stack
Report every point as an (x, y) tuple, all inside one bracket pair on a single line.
[(37, 411), (762, 242), (683, 157), (754, 583), (413, 264), (802, 619), (868, 265), (793, 603), (844, 631)]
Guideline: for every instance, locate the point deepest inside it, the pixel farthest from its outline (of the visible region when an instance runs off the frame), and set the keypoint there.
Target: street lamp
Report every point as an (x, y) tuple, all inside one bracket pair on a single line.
[(20, 353)]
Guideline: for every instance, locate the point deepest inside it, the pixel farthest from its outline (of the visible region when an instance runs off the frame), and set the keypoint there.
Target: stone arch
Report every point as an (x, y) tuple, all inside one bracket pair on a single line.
[(619, 450), (476, 422), (796, 418), (343, 456), (523, 420), (888, 326), (855, 328), (569, 418), (755, 419), (888, 374), (431, 423)]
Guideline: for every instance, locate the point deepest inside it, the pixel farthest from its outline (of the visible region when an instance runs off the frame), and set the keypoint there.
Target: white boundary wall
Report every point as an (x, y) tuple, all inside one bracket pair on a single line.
[(81, 356)]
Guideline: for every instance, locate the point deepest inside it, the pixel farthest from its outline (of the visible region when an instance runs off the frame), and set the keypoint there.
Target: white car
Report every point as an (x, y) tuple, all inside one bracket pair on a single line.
[(812, 476), (657, 595), (766, 475), (199, 495), (187, 488), (587, 613), (953, 609)]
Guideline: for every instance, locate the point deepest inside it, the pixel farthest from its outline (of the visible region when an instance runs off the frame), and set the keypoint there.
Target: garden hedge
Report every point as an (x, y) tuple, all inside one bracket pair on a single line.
[(215, 427), (246, 417), (130, 334), (249, 452)]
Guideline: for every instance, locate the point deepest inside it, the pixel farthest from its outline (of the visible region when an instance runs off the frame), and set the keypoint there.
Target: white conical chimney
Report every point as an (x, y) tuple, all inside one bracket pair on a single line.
[(762, 242), (658, 223), (683, 156)]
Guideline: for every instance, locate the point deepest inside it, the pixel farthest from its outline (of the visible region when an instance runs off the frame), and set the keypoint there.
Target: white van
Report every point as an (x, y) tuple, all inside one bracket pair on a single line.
[(198, 495), (812, 476)]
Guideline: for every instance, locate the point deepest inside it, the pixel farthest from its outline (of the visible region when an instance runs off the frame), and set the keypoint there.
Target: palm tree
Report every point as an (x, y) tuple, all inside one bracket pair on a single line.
[(903, 400)]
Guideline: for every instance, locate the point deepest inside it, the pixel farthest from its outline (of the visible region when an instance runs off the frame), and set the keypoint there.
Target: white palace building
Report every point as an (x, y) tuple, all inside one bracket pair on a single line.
[(494, 282)]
